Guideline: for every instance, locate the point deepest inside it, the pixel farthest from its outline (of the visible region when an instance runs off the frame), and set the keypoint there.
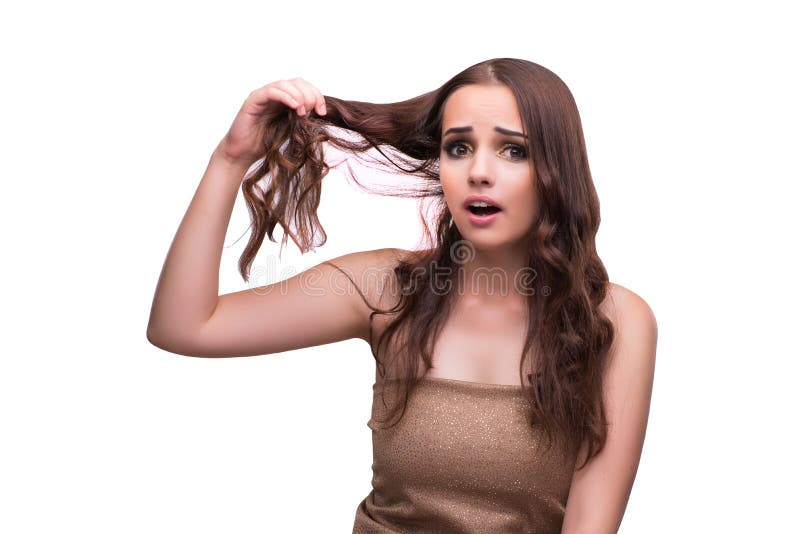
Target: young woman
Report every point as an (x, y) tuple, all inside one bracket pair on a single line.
[(513, 380)]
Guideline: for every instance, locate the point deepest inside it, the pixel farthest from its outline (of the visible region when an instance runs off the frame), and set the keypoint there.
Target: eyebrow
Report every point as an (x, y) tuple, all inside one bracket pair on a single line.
[(462, 129)]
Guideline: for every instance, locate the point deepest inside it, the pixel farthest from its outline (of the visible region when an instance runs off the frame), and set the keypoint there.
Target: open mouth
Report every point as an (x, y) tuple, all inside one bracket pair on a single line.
[(483, 210)]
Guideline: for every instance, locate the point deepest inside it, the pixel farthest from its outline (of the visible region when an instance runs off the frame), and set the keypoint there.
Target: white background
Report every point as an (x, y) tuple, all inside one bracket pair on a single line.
[(110, 112)]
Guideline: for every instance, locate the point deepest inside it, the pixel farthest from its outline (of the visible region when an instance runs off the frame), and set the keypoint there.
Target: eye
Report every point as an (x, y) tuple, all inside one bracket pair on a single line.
[(448, 148), (521, 153), (458, 149)]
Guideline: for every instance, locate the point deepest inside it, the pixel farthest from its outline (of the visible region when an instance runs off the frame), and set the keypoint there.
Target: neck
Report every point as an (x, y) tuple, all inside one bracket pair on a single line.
[(497, 276)]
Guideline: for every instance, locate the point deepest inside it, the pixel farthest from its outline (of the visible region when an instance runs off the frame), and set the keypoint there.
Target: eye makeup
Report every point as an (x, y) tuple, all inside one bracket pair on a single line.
[(448, 147)]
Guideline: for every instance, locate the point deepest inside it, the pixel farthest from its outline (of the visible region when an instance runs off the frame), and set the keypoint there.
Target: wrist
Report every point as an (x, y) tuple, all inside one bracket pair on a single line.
[(219, 157)]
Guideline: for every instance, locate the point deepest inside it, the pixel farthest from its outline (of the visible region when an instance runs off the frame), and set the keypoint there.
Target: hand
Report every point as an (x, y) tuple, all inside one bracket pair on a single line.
[(242, 143)]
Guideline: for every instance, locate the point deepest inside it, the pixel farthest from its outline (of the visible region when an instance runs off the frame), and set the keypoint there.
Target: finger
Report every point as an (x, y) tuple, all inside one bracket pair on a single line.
[(283, 96), (270, 92), (320, 101), (296, 93), (320, 104), (309, 95)]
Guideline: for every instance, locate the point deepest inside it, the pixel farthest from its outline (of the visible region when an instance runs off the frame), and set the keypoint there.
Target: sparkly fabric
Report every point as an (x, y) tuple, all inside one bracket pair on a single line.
[(463, 460)]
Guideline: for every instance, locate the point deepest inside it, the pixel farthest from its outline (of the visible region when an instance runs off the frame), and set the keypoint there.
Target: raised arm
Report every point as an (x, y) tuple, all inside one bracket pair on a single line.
[(317, 306)]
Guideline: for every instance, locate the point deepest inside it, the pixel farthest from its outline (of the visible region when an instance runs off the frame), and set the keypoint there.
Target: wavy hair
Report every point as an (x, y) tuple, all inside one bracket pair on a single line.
[(568, 337)]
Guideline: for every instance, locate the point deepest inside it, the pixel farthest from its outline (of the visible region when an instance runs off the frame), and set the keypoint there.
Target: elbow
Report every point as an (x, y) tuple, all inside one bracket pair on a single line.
[(169, 343), (151, 338), (157, 341), (151, 335), (154, 336)]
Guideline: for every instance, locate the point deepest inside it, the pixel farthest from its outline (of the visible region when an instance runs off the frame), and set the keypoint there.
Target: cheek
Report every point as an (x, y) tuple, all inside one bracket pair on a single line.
[(445, 174), (526, 200), (448, 189), (531, 208)]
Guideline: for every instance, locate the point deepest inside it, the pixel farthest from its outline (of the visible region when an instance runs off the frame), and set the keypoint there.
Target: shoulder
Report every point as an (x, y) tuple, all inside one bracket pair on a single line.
[(370, 271), (380, 256), (384, 260), (364, 262), (626, 308), (372, 265), (635, 326)]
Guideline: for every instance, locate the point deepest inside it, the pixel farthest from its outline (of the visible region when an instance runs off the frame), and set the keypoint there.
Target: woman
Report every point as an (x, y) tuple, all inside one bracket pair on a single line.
[(513, 380)]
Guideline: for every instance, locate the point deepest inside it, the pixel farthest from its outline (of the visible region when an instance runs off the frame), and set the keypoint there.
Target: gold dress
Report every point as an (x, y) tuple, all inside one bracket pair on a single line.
[(463, 460)]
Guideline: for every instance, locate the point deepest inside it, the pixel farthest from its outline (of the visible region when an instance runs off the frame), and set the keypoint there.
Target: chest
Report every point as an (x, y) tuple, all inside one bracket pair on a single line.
[(480, 343)]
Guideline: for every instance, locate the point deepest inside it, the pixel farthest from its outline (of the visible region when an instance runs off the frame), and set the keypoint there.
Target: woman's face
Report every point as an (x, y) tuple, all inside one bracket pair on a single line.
[(483, 153)]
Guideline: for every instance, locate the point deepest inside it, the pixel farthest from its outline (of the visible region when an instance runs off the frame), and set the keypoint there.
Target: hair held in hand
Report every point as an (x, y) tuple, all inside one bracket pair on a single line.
[(568, 338)]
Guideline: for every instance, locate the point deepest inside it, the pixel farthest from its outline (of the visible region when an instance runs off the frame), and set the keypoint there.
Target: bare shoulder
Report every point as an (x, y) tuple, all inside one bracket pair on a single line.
[(633, 319), (369, 269), (621, 301), (372, 274)]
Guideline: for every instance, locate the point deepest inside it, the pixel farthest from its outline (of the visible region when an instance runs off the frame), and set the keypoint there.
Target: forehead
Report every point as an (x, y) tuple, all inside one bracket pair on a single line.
[(489, 105)]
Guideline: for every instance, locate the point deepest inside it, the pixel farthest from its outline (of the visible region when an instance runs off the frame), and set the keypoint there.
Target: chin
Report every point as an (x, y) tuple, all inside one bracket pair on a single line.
[(485, 242), (492, 242)]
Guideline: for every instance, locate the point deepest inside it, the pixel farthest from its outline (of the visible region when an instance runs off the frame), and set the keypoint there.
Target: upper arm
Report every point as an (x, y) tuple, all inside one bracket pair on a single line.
[(314, 307), (600, 490)]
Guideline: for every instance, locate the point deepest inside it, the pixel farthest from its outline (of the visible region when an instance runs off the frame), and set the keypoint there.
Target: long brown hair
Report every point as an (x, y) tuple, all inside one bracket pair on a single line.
[(568, 337)]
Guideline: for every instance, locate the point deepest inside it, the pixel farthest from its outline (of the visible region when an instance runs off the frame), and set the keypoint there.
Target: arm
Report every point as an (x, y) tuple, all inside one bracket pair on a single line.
[(317, 306), (187, 290), (599, 492)]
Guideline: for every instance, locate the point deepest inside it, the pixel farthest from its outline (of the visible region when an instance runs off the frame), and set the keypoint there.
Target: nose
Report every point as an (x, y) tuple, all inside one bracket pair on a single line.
[(480, 170)]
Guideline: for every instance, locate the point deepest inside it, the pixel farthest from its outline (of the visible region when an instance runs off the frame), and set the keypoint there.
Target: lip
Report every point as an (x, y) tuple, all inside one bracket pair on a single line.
[(482, 220), (475, 198)]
